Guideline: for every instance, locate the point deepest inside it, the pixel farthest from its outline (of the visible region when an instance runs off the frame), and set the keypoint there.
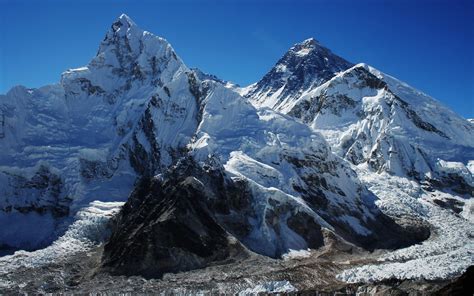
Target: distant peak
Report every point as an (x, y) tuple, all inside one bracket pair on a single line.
[(125, 17), (309, 42), (123, 22), (305, 47)]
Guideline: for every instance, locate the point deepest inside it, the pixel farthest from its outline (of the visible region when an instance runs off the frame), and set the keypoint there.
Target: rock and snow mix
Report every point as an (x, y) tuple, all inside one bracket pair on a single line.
[(136, 109), (412, 152)]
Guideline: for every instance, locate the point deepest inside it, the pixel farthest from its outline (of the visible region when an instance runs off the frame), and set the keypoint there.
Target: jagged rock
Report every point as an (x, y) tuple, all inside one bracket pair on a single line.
[(168, 226)]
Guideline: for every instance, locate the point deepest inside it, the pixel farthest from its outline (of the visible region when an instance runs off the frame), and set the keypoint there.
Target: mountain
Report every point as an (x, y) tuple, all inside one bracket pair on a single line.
[(320, 154), (414, 153), (372, 119), (136, 111), (306, 65), (90, 136)]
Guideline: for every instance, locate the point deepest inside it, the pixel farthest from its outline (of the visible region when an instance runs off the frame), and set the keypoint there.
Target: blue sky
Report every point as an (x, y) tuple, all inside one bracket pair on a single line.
[(428, 44)]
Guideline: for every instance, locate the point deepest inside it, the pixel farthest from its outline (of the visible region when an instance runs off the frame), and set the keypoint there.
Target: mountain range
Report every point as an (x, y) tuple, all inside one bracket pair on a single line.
[(320, 154)]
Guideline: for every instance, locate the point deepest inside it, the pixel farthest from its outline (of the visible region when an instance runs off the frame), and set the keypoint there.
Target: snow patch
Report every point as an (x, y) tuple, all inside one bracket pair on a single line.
[(269, 287), (296, 254)]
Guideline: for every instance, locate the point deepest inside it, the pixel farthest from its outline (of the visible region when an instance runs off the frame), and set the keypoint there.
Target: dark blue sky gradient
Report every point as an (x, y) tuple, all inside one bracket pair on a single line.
[(428, 44)]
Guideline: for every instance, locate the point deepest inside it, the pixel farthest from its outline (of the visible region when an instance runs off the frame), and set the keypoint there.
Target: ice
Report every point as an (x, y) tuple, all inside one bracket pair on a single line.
[(446, 254), (269, 287)]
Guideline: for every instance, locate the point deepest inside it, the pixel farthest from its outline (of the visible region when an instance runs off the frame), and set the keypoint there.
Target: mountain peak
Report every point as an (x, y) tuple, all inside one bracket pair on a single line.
[(310, 42), (127, 51), (125, 18), (306, 47), (304, 66), (122, 24)]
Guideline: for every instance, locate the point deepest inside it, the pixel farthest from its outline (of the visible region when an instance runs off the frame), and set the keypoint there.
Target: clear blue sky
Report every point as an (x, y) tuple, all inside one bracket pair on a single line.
[(428, 44)]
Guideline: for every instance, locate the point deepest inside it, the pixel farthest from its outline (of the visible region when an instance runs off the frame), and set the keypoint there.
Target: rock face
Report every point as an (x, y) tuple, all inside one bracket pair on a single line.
[(167, 227), (190, 217), (463, 285)]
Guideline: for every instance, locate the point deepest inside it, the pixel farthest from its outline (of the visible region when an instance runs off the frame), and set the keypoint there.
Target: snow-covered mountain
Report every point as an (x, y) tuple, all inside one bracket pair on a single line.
[(212, 172), (133, 112), (373, 119), (414, 153), (90, 136), (305, 66)]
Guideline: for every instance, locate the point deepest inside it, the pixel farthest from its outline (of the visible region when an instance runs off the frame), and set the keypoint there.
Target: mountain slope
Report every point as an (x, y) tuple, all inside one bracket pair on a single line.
[(371, 118)]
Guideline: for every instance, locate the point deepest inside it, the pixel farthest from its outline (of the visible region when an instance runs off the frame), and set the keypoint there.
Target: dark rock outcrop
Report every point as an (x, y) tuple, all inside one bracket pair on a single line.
[(463, 285), (167, 226)]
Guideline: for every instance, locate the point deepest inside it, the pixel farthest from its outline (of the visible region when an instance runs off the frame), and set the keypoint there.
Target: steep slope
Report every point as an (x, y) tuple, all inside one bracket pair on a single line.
[(371, 118)]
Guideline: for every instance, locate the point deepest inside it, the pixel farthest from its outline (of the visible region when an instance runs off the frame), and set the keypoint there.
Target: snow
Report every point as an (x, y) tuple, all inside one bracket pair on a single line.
[(84, 128), (255, 145), (269, 287), (88, 230), (372, 122), (470, 166), (303, 52), (361, 122), (458, 168), (93, 154), (355, 224), (296, 254), (134, 98)]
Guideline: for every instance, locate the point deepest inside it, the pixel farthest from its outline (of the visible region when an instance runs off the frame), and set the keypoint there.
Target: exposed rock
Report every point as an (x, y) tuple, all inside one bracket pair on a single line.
[(167, 226), (306, 65), (463, 285), (42, 193)]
